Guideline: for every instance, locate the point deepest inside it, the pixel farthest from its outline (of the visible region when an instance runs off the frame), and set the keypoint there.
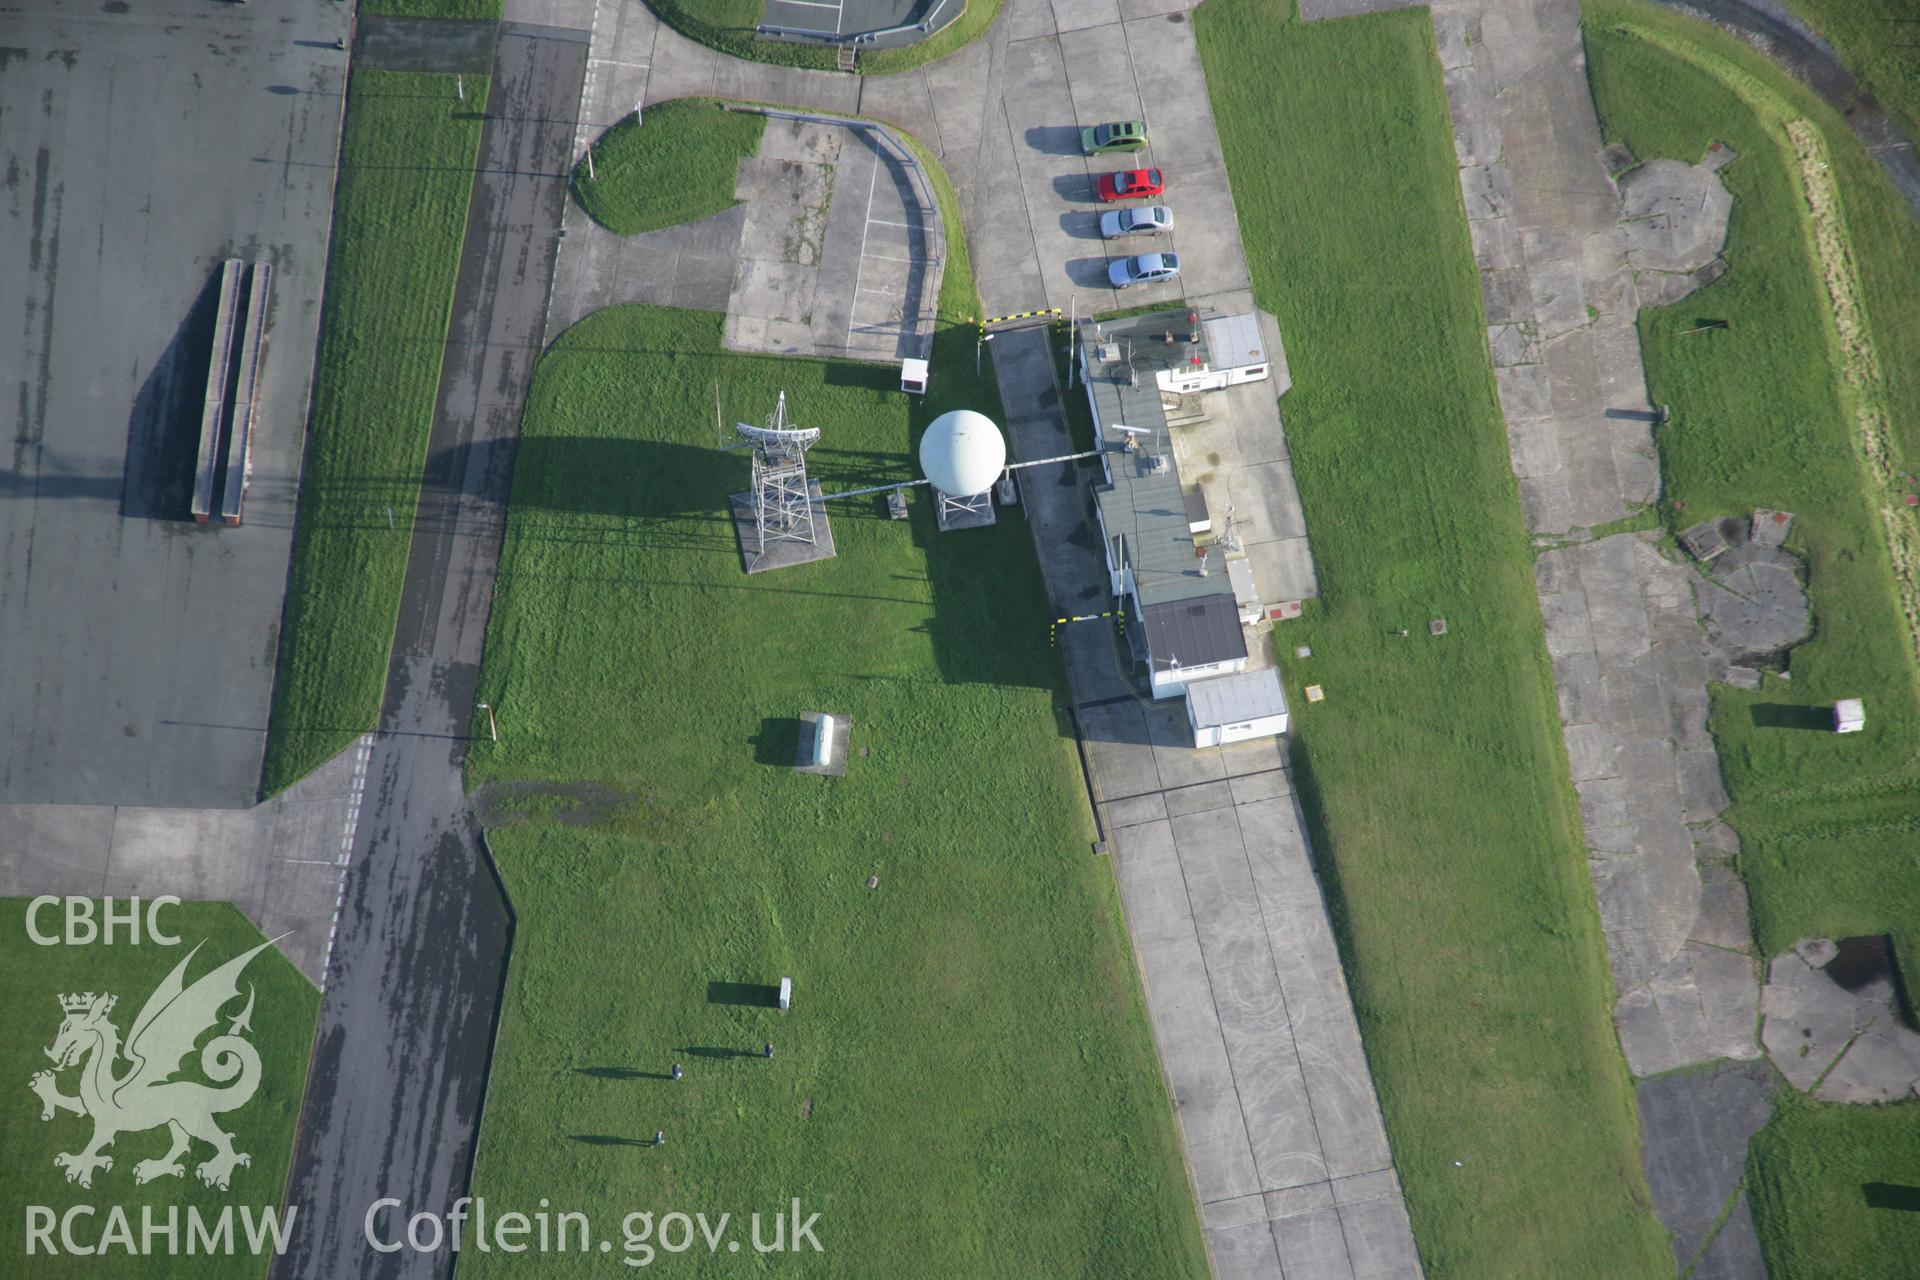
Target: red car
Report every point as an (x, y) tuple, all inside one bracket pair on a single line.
[(1130, 184)]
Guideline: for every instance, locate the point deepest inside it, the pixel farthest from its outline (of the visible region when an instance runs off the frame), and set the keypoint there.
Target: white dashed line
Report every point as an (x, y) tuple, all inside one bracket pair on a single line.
[(344, 862)]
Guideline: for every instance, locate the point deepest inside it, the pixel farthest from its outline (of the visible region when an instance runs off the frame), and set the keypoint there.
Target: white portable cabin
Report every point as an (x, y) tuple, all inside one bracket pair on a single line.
[(1236, 708), (1849, 715), (1234, 353)]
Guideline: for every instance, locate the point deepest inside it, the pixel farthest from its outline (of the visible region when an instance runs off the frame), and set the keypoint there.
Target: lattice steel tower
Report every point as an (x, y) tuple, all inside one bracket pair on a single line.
[(782, 501)]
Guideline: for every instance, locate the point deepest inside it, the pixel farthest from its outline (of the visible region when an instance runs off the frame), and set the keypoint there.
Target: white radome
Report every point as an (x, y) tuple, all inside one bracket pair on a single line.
[(963, 453)]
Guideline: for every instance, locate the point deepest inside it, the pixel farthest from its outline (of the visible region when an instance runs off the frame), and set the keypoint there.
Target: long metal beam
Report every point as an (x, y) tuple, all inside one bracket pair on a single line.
[(908, 484)]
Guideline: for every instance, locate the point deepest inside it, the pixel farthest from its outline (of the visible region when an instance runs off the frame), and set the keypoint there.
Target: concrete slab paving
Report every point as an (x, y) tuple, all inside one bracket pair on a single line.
[(1841, 1042), (1695, 1126), (280, 862)]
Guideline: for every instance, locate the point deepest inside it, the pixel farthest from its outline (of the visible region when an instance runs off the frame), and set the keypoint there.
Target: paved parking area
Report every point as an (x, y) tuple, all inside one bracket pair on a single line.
[(1053, 81), (836, 254), (143, 147)]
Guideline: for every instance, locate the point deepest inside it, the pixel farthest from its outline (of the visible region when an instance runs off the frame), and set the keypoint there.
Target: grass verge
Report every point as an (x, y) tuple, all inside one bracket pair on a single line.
[(678, 166), (1879, 40), (965, 1084), (1434, 775), (728, 25), (32, 978), (400, 217), (432, 8)]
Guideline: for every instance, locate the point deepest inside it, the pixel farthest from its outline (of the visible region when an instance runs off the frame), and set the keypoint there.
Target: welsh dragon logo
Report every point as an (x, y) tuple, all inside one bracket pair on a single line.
[(146, 1095)]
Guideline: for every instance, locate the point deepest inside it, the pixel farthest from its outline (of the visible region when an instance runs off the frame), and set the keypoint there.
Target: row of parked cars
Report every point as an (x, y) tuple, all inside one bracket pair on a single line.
[(1140, 220)]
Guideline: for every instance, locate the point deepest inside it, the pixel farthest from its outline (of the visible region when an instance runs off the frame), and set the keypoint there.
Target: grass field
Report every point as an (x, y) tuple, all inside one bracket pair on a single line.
[(1879, 40), (1836, 1191), (1434, 773), (965, 1085), (1829, 827), (32, 979), (728, 25), (678, 166), (432, 8), (400, 217)]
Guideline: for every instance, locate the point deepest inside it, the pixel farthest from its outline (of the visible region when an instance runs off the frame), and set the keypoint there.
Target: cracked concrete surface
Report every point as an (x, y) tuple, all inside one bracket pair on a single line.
[(1632, 664), (1555, 279), (1843, 1041)]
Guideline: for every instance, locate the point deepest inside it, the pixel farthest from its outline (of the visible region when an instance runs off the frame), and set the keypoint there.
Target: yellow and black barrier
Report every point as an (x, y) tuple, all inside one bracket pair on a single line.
[(1021, 315), (1119, 615)]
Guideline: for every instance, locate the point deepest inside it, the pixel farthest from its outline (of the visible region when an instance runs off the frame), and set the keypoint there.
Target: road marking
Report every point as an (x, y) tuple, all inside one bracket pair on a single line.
[(873, 180), (355, 797), (887, 257), (885, 223)]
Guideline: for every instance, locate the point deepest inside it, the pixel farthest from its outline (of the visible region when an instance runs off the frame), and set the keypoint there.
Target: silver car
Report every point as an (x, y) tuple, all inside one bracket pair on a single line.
[(1147, 220), (1145, 268)]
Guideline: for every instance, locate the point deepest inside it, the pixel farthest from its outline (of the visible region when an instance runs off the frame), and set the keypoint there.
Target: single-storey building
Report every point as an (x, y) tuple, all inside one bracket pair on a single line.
[(1237, 708), (1181, 600)]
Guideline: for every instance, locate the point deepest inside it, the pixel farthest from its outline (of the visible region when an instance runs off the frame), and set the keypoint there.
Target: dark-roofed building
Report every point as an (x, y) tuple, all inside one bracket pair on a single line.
[(1191, 639)]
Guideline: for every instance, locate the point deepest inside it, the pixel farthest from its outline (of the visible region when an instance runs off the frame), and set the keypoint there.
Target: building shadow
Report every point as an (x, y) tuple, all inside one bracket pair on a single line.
[(716, 1051), (778, 742), (1789, 715), (621, 1073), (1891, 1195), (163, 432), (753, 995)]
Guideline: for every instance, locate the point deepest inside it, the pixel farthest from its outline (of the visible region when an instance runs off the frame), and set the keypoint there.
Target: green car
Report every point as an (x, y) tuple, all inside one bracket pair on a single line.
[(1121, 135)]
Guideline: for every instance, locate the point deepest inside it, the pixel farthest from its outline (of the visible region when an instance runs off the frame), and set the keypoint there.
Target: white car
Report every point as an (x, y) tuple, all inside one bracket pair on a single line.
[(1145, 268), (1147, 220)]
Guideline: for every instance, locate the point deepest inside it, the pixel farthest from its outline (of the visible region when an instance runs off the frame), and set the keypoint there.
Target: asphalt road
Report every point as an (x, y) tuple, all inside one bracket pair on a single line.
[(139, 149), (406, 1027)]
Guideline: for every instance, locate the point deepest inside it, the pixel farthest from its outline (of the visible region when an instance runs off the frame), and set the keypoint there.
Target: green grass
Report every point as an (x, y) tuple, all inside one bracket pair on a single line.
[(400, 215), (1830, 826), (728, 25), (1879, 40), (33, 978), (432, 8), (970, 1038), (1433, 775), (677, 166), (1827, 1185)]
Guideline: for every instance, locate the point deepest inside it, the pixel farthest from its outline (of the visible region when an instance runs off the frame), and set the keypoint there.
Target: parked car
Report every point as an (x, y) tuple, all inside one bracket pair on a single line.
[(1145, 268), (1130, 184), (1141, 220), (1121, 135)]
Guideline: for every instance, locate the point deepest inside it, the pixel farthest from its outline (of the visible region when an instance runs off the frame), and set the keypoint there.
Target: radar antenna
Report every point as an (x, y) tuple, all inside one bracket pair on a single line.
[(782, 503)]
